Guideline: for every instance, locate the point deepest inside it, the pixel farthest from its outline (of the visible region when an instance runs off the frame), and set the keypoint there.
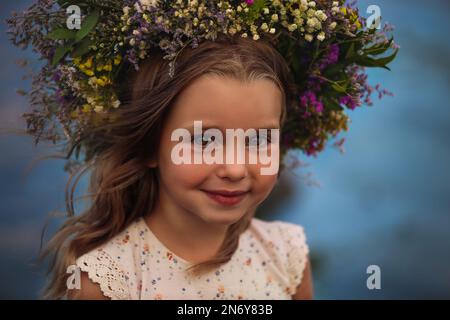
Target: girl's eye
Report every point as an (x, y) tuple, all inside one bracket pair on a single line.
[(202, 140), (258, 140)]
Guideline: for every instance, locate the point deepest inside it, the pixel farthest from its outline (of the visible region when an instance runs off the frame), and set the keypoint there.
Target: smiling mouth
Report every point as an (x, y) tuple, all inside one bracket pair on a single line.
[(226, 198)]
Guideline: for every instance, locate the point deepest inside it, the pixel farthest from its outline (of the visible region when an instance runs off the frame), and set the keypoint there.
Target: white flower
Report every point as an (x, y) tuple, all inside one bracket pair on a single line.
[(292, 27), (321, 15), (272, 30), (309, 37), (116, 104), (148, 3), (333, 25), (98, 108), (321, 36)]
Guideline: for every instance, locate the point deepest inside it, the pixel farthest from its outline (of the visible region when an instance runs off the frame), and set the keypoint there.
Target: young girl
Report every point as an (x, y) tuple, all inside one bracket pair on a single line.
[(158, 228)]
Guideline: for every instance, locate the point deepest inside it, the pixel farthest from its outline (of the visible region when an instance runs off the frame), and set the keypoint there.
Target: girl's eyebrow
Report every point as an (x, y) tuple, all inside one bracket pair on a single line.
[(211, 126)]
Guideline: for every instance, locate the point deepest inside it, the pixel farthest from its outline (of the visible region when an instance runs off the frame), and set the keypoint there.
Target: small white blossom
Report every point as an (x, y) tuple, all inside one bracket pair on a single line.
[(321, 36), (116, 104), (148, 3), (309, 37)]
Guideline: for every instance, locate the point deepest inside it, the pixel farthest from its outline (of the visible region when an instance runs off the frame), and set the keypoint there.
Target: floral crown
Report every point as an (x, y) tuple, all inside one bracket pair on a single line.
[(85, 43)]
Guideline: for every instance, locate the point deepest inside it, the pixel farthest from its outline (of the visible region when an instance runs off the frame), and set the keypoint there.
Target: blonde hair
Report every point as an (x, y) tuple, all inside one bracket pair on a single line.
[(122, 187)]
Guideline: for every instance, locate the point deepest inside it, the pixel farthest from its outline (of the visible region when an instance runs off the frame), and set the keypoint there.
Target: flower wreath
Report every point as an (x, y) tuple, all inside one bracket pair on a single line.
[(326, 44)]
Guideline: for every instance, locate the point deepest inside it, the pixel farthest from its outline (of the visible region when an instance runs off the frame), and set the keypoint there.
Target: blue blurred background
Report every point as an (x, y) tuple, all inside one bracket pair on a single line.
[(385, 201)]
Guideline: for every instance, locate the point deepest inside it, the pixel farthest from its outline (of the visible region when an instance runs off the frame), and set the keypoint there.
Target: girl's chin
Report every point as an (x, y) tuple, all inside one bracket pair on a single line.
[(225, 217)]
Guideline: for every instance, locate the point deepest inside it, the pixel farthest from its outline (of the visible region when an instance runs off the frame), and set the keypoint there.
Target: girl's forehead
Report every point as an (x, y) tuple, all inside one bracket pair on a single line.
[(224, 102)]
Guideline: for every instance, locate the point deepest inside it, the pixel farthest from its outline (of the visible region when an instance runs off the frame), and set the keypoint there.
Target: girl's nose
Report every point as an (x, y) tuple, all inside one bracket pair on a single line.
[(233, 172)]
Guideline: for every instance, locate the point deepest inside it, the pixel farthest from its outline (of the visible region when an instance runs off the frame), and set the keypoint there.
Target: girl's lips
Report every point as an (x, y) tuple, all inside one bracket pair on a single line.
[(226, 198)]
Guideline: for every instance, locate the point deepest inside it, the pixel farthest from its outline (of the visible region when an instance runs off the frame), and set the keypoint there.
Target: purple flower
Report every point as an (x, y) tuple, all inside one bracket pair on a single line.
[(308, 98), (332, 57), (249, 2), (349, 102)]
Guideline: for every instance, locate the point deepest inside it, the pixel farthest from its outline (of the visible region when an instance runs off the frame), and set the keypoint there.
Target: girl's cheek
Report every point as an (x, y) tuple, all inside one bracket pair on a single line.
[(263, 184), (189, 175)]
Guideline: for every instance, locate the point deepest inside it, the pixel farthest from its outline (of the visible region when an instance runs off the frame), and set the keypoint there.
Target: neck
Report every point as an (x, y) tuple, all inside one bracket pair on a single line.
[(195, 240)]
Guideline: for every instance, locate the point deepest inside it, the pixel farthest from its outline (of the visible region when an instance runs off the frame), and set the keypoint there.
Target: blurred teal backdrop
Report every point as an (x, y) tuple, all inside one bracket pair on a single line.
[(385, 201)]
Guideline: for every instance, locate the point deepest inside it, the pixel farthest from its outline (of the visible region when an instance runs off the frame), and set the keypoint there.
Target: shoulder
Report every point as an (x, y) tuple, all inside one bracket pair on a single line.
[(280, 233), (110, 269), (287, 245)]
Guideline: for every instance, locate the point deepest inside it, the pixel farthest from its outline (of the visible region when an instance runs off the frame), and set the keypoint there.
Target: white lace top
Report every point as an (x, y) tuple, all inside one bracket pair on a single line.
[(268, 264)]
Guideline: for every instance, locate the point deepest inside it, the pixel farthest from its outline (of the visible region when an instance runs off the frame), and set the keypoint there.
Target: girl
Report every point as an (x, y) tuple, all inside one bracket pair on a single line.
[(157, 230)]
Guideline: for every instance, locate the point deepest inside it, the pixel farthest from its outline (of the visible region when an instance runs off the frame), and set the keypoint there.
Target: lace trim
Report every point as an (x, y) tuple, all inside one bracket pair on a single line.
[(103, 270), (298, 256)]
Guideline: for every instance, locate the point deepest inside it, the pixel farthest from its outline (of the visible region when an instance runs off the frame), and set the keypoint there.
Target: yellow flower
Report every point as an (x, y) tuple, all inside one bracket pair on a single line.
[(88, 63), (74, 114), (86, 108), (100, 82), (89, 73), (117, 60), (107, 67)]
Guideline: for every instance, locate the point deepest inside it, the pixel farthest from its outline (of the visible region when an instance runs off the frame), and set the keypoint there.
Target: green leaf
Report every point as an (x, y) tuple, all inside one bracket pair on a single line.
[(350, 51), (62, 34), (82, 48), (88, 24), (60, 52), (378, 48), (255, 8), (66, 3), (370, 62), (339, 88)]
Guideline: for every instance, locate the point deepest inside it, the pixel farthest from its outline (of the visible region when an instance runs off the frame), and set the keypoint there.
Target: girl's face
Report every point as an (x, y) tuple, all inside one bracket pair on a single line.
[(222, 103)]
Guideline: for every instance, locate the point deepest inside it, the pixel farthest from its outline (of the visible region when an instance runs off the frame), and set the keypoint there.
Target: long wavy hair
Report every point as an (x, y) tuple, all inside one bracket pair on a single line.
[(122, 187)]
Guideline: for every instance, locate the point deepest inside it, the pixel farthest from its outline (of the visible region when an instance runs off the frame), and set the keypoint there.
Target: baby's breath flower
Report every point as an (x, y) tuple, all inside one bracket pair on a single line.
[(321, 36), (264, 27), (309, 37), (292, 27)]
